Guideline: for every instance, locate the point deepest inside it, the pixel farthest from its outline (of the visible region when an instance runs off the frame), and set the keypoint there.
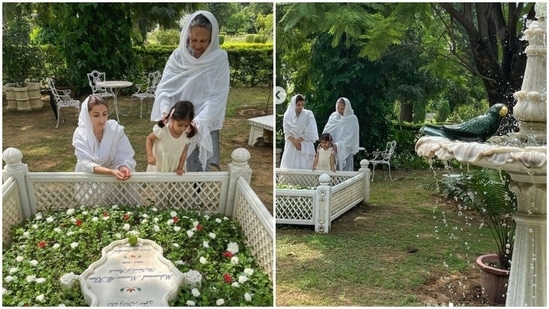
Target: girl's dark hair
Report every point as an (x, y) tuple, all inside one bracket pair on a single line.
[(181, 110), (326, 137), (96, 100)]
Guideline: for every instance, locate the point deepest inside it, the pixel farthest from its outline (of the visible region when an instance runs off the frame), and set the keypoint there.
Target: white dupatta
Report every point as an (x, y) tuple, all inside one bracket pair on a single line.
[(344, 132), (113, 151), (303, 126), (203, 81)]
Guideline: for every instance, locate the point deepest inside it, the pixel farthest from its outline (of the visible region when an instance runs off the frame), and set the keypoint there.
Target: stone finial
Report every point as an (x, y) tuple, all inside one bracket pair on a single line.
[(541, 9), (240, 155), (324, 179), (364, 163), (12, 156)]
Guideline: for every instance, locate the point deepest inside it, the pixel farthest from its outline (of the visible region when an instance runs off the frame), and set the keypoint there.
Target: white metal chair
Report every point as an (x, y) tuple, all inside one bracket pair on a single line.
[(383, 158), (95, 77), (62, 100), (146, 91)]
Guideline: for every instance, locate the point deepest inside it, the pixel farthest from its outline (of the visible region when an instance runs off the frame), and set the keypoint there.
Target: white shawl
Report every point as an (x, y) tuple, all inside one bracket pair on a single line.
[(303, 126), (114, 150), (203, 81), (344, 132)]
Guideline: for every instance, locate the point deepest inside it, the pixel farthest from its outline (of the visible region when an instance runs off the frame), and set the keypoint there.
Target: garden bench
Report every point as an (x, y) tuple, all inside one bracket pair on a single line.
[(261, 127)]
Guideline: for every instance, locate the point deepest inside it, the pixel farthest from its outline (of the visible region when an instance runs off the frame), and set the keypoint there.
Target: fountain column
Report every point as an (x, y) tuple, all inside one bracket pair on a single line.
[(527, 281)]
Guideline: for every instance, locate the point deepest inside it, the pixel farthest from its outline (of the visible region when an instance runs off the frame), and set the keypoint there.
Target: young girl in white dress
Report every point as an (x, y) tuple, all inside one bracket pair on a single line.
[(168, 144), (325, 154)]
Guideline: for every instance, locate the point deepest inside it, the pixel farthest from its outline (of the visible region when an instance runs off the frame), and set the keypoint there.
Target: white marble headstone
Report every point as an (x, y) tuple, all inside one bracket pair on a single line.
[(131, 276)]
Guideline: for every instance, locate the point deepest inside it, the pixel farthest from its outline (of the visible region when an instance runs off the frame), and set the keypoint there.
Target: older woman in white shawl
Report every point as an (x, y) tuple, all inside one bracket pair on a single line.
[(300, 132), (197, 71), (343, 126), (102, 147)]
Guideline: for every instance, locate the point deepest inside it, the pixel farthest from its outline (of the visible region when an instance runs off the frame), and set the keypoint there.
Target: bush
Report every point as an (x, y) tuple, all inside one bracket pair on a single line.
[(168, 37)]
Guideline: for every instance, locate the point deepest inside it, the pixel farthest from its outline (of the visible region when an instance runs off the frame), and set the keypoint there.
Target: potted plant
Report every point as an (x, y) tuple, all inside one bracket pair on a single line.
[(486, 191), (20, 59)]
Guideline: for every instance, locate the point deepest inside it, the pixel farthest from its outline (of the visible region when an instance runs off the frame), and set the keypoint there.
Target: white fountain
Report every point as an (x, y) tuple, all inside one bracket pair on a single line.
[(524, 156)]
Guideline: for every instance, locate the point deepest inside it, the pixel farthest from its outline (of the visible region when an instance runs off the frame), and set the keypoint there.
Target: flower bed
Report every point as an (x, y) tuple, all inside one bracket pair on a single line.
[(55, 243)]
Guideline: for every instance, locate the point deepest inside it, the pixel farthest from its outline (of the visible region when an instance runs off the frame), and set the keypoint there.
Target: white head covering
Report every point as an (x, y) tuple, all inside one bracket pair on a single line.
[(344, 131), (303, 126), (204, 81), (90, 149)]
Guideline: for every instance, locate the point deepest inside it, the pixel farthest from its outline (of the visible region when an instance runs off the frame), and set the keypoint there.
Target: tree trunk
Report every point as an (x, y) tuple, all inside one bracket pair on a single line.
[(406, 111)]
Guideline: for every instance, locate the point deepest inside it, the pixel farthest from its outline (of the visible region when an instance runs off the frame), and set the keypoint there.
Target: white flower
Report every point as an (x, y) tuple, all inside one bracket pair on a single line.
[(67, 280), (235, 284), (40, 298), (195, 292), (9, 278), (26, 234), (247, 296), (134, 233), (74, 245), (57, 230), (85, 213), (13, 270), (144, 221), (145, 216), (203, 260), (220, 302), (33, 262), (105, 218), (49, 219), (38, 216), (118, 235), (31, 278), (56, 246), (156, 219), (94, 219), (35, 226), (69, 233), (19, 259), (179, 262), (126, 227), (248, 271), (114, 206), (4, 291), (193, 277), (218, 220), (170, 222), (235, 260), (154, 209), (70, 211), (212, 235), (40, 280), (207, 217), (195, 223), (173, 214), (205, 244), (156, 228), (190, 233), (242, 279), (190, 303), (175, 245), (232, 247), (177, 228), (225, 218)]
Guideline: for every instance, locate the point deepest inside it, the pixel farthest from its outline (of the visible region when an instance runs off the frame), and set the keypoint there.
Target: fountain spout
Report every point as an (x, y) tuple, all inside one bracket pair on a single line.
[(524, 156)]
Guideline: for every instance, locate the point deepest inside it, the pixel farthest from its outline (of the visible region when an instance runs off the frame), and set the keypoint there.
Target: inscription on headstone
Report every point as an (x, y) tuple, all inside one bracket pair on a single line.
[(131, 276)]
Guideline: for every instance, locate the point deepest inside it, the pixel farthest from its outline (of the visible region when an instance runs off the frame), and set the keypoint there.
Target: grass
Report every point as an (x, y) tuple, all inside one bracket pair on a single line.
[(365, 260)]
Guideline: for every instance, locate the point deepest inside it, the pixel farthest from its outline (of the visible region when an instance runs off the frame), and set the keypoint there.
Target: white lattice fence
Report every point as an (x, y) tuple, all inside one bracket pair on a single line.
[(252, 215), (331, 195), (11, 212)]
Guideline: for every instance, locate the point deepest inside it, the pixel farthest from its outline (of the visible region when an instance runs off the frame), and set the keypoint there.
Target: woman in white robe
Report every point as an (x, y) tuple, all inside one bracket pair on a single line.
[(102, 147), (197, 71), (343, 127), (300, 133)]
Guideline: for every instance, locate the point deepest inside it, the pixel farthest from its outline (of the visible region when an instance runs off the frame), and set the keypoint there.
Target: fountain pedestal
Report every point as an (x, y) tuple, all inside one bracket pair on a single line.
[(524, 156)]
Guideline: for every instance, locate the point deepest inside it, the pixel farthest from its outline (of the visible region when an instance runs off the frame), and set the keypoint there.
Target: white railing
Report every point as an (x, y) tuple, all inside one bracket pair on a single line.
[(318, 198), (24, 193)]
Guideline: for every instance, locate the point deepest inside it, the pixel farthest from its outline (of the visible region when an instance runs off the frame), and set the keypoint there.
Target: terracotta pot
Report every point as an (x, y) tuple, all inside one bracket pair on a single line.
[(493, 281)]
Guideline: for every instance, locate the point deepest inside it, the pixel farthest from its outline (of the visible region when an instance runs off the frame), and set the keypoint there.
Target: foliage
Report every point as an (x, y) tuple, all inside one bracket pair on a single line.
[(213, 245), (20, 60), (168, 37), (443, 111), (486, 191)]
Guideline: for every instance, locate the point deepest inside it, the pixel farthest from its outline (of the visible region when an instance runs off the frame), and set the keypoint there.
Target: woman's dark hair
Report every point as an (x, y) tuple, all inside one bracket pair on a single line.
[(326, 137), (96, 100), (202, 22), (180, 111), (299, 97)]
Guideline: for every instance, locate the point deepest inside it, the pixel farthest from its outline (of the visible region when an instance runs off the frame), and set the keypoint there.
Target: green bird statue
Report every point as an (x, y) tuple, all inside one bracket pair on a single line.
[(478, 129)]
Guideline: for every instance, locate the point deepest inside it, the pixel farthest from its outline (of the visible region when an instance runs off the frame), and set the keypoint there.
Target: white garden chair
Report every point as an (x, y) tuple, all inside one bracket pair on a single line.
[(93, 78), (146, 91), (383, 158), (62, 100)]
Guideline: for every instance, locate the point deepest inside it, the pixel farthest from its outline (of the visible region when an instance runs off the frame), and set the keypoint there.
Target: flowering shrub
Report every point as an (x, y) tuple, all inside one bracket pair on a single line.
[(47, 249)]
